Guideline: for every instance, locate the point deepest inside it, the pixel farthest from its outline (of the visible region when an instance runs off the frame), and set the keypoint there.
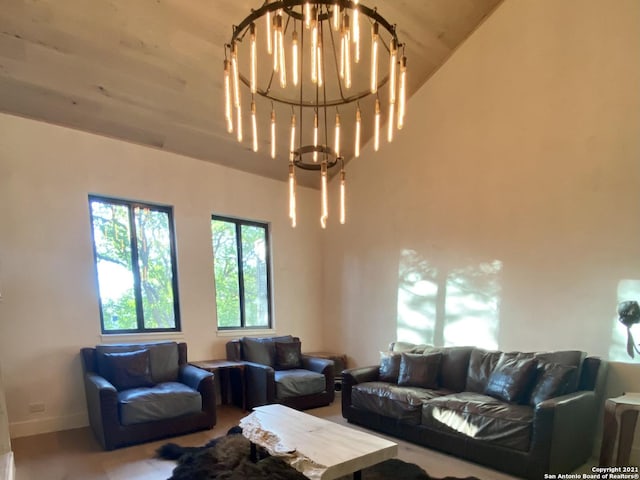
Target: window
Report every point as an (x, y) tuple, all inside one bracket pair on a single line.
[(134, 252), (242, 273)]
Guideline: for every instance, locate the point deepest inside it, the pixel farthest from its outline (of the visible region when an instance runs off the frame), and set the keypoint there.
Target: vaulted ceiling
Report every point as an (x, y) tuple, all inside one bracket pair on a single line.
[(150, 71)]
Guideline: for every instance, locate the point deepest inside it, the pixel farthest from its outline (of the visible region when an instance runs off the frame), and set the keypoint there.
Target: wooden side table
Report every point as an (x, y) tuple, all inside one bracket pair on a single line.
[(226, 368), (620, 418), (339, 360)]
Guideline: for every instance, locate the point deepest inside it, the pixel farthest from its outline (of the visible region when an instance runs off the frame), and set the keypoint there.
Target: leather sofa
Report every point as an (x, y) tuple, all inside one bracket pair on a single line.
[(277, 372), (526, 414), (145, 391)]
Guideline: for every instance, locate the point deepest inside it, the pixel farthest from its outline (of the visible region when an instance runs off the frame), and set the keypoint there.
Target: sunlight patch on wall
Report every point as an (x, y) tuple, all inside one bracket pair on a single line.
[(627, 290), (448, 306)]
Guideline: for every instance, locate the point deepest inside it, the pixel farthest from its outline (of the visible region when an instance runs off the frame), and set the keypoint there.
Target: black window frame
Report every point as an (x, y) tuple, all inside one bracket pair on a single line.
[(238, 223), (131, 205)]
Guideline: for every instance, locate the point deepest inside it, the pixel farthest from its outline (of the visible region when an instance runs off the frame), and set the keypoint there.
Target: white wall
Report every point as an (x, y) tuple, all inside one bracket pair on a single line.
[(520, 155), (49, 307)]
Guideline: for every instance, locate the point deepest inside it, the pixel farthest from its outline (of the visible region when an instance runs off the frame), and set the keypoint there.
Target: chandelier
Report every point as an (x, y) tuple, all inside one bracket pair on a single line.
[(321, 63)]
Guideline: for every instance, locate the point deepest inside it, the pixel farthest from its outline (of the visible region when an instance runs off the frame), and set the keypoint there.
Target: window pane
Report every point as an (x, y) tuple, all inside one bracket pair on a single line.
[(113, 261), (225, 266), (254, 268), (154, 264)]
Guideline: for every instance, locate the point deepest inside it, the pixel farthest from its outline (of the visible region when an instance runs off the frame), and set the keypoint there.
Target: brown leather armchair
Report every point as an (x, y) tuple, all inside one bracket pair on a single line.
[(141, 392), (276, 372)]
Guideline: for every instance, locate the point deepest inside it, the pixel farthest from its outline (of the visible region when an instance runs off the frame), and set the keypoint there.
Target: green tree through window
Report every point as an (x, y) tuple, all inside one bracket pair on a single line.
[(134, 251), (242, 276)]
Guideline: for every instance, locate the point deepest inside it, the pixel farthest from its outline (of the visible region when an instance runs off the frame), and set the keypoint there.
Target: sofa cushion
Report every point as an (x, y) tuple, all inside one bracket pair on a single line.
[(418, 370), (298, 382), (288, 355), (389, 367), (512, 379), (481, 365), (262, 349), (552, 380), (401, 403), (163, 357), (128, 369), (565, 357), (454, 366), (164, 400), (481, 417)]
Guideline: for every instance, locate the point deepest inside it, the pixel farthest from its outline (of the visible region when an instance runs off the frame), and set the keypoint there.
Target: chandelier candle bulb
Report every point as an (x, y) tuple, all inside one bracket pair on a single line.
[(267, 20), (358, 129), (292, 194), (343, 213), (337, 135), (307, 15), (283, 69), (292, 145), (294, 57), (392, 107), (315, 135), (325, 202), (374, 58), (273, 133), (227, 96), (376, 131), (393, 60), (254, 60), (239, 124), (356, 32), (314, 50), (254, 127), (336, 17), (276, 45), (319, 60), (236, 75), (402, 94)]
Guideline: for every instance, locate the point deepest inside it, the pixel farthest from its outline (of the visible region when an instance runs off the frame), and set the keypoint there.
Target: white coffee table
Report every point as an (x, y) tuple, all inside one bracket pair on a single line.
[(317, 448)]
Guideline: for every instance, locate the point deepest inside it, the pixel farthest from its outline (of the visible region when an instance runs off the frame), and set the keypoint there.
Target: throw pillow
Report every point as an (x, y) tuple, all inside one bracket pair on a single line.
[(127, 370), (288, 355), (418, 370), (389, 367), (512, 378), (553, 380)]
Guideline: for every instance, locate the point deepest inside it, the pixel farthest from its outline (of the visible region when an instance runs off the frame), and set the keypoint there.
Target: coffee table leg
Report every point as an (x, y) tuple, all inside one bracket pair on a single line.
[(357, 475), (254, 452)]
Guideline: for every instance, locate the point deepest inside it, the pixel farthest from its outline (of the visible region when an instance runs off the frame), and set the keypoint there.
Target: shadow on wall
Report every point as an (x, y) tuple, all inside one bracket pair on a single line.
[(448, 306), (627, 290)]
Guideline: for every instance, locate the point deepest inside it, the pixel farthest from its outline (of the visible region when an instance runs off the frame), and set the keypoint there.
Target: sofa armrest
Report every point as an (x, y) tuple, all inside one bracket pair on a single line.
[(260, 384), (319, 365), (102, 406), (324, 366), (204, 382), (354, 376), (566, 426)]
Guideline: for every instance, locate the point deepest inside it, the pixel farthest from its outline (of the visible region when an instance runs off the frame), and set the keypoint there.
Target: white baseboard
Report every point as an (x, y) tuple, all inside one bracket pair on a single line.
[(46, 425), (7, 467)]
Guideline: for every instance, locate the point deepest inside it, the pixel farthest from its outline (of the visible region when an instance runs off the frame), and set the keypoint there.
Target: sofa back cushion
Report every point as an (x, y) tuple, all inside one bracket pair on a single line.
[(127, 370), (552, 380), (572, 358), (481, 365), (454, 366), (389, 367), (419, 370), (262, 350), (512, 378), (163, 359)]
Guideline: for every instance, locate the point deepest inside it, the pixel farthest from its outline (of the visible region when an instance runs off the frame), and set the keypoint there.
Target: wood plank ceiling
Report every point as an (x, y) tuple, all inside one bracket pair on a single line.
[(150, 71)]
